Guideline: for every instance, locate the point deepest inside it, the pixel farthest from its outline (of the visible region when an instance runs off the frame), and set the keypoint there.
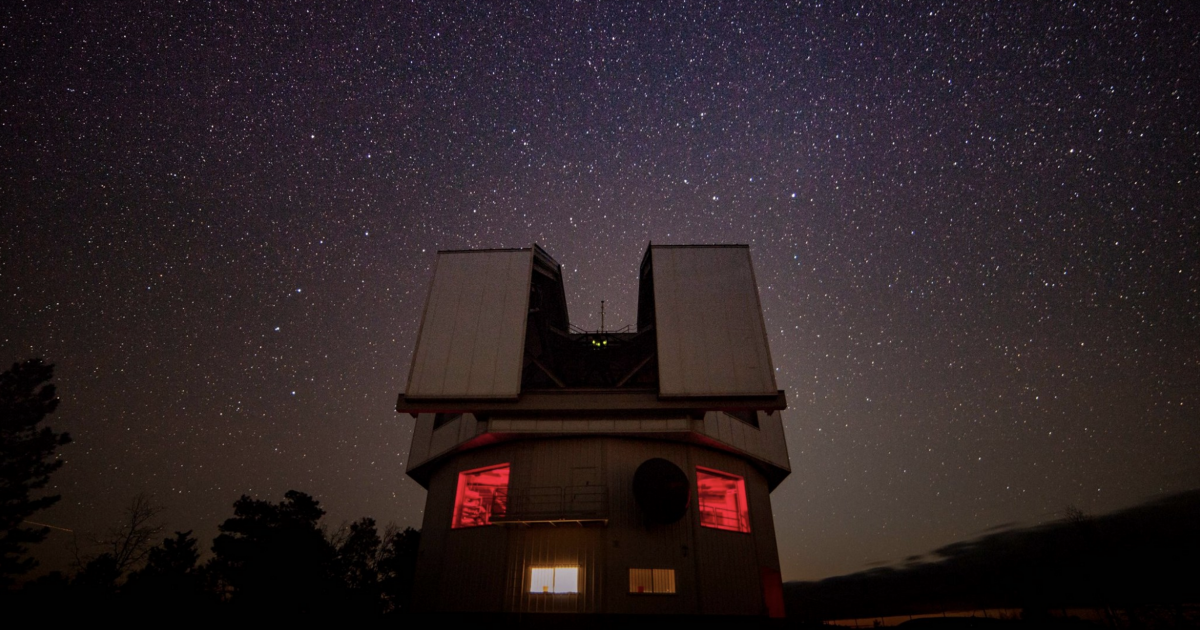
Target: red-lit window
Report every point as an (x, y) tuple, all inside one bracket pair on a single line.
[(722, 500), (482, 495)]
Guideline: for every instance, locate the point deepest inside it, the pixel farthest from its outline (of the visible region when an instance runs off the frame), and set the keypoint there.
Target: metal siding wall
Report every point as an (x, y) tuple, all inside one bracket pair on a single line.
[(593, 425), (458, 330), (711, 336), (763, 520), (728, 562), (631, 544), (487, 568), (420, 377), (418, 450), (765, 443), (433, 540), (459, 570), (553, 463), (678, 322), (773, 442), (428, 442), (444, 438), (473, 328), (551, 547), (467, 427)]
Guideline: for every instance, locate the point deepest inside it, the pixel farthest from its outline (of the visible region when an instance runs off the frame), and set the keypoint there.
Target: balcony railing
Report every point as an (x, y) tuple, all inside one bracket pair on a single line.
[(723, 518), (553, 505)]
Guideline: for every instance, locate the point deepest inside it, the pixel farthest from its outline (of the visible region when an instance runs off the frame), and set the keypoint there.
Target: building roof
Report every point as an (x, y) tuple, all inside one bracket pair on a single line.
[(495, 325), (497, 359)]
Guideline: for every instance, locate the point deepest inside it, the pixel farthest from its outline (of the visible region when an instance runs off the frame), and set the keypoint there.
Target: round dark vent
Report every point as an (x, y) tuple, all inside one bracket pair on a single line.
[(662, 490)]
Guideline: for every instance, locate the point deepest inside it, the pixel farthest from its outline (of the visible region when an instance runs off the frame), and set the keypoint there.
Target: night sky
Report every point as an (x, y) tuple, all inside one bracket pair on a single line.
[(975, 230)]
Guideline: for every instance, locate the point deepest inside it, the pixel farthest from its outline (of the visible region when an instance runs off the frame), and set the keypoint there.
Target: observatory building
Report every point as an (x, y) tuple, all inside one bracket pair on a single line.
[(612, 472)]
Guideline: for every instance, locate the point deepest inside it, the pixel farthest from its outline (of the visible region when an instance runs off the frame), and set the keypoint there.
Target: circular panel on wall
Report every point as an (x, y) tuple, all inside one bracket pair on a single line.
[(662, 490)]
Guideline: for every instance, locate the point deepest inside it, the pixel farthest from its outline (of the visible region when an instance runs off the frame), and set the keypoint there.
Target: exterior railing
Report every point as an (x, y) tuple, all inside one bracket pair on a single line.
[(551, 504), (722, 518)]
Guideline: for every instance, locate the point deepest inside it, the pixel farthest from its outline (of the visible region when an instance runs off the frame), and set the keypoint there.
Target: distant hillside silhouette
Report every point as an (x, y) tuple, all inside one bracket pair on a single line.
[(1148, 554)]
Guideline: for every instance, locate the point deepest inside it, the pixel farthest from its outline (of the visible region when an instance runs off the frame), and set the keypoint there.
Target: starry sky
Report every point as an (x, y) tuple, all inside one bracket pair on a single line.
[(975, 230)]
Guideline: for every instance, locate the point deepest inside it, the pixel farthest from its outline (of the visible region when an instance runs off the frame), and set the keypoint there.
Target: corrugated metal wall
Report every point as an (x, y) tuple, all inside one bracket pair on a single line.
[(711, 336), (635, 544), (765, 442), (772, 440), (722, 553), (473, 328), (488, 568), (418, 451), (458, 570), (554, 547)]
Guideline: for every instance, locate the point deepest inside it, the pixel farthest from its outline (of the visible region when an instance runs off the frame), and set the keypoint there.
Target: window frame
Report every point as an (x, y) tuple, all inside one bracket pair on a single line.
[(554, 571), (666, 577), (456, 517), (743, 503)]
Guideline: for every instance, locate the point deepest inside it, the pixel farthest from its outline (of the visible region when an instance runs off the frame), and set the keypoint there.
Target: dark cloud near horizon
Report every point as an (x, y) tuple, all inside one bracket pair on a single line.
[(1134, 558)]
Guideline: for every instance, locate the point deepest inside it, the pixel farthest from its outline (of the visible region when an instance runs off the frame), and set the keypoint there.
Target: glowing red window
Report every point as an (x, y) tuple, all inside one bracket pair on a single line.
[(482, 495), (722, 500)]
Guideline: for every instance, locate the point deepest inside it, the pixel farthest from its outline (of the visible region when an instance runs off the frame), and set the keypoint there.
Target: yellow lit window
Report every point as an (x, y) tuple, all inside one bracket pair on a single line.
[(554, 580), (652, 580)]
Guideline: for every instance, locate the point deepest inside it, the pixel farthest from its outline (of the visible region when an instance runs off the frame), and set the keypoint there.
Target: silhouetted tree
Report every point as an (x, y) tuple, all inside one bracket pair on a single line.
[(174, 557), (397, 568), (171, 579), (125, 546), (99, 574), (358, 555), (358, 559), (273, 563), (26, 460), (275, 557), (1074, 516), (131, 542)]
